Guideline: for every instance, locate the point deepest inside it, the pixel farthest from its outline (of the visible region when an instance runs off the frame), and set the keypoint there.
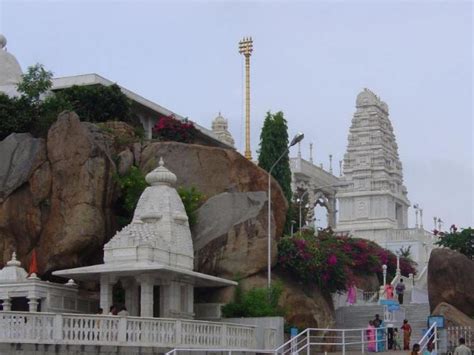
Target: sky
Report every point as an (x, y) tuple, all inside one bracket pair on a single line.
[(310, 61)]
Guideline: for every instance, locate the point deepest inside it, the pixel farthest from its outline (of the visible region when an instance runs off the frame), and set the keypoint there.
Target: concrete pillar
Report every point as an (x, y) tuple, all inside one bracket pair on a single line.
[(331, 212), (146, 296), (33, 303), (7, 304), (131, 297), (106, 295)]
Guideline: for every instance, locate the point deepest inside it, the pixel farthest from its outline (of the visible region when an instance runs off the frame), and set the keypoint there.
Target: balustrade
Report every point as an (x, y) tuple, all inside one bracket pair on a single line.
[(49, 328)]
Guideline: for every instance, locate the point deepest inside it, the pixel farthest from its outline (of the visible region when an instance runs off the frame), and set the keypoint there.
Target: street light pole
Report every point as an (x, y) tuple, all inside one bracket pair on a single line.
[(296, 139)]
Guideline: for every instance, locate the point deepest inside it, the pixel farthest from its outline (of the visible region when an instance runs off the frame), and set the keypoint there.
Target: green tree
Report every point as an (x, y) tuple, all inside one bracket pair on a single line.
[(273, 143), (35, 82), (462, 241)]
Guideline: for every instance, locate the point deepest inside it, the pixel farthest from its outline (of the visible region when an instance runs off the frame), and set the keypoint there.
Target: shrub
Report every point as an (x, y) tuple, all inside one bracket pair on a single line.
[(132, 185), (257, 302), (331, 261), (168, 128), (98, 103), (16, 115), (192, 200)]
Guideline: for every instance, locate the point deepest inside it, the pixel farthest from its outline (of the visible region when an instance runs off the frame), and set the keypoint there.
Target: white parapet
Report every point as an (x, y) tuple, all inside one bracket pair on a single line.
[(75, 329)]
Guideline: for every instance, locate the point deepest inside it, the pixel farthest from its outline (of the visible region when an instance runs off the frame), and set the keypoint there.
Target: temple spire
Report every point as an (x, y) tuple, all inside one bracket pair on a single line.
[(311, 152)]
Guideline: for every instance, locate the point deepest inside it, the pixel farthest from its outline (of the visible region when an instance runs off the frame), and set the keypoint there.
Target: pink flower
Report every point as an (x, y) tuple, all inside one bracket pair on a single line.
[(332, 260)]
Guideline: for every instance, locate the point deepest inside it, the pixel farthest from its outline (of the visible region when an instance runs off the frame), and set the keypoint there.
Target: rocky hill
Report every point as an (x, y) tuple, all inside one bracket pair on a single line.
[(58, 196)]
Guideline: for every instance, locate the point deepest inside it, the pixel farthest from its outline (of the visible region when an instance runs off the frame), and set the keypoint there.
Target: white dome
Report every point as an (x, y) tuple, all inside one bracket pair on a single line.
[(159, 231), (13, 272), (10, 70)]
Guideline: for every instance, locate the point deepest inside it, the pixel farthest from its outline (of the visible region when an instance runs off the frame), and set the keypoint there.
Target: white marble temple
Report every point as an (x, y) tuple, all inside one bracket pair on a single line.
[(153, 254)]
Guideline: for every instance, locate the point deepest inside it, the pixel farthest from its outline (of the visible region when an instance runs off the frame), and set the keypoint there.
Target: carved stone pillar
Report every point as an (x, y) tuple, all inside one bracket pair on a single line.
[(146, 295), (106, 295), (131, 296), (331, 212), (33, 303)]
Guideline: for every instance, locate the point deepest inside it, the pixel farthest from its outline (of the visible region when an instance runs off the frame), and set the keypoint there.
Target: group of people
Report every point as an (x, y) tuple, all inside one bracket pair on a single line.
[(462, 349), (375, 335), (115, 311)]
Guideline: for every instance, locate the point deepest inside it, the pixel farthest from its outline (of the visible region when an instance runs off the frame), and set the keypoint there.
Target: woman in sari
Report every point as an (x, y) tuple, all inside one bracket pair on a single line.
[(352, 294), (381, 337), (406, 335), (371, 337)]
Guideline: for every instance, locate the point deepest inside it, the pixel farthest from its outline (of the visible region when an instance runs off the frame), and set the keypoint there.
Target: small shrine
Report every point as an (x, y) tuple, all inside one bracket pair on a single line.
[(152, 257), (20, 292)]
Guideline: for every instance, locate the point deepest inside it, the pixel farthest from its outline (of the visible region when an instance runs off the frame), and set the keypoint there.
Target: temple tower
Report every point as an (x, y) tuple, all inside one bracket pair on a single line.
[(220, 127), (375, 199)]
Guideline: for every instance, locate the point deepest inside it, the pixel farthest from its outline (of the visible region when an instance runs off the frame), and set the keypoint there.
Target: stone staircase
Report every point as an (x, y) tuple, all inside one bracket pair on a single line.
[(358, 316)]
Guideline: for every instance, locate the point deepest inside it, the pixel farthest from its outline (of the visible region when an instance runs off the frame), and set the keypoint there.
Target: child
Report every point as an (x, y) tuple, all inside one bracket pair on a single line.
[(396, 340)]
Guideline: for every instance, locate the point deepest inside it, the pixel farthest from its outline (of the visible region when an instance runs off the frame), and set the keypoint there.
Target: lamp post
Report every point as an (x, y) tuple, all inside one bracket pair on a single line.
[(296, 139), (384, 273), (300, 201)]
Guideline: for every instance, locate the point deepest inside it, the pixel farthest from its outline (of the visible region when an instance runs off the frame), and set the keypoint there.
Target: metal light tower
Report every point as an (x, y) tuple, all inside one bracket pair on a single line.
[(246, 48)]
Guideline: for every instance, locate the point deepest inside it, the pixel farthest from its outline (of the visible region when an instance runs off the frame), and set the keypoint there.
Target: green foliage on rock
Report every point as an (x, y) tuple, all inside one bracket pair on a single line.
[(131, 185), (273, 143), (98, 103), (460, 241), (37, 109), (192, 200), (257, 302)]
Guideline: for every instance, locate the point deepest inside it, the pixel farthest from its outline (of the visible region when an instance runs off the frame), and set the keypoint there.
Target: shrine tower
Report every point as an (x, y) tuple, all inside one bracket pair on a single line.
[(375, 199)]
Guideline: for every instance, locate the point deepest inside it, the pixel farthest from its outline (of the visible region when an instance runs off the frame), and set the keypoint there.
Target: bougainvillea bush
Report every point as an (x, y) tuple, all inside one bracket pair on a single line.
[(332, 261), (168, 128)]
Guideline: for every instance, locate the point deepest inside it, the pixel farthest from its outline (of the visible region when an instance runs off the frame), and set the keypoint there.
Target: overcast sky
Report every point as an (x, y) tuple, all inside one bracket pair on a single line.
[(310, 60)]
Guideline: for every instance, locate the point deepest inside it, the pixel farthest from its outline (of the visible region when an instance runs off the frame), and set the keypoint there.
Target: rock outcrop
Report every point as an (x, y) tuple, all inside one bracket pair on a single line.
[(230, 237), (20, 155), (213, 171), (57, 195), (60, 195), (453, 316), (451, 280)]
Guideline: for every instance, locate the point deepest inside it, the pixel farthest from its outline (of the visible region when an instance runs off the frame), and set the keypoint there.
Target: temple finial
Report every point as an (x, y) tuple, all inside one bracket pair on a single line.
[(311, 152)]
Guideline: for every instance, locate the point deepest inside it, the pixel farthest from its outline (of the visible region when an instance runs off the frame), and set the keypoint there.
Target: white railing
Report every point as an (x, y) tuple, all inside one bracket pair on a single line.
[(335, 340), (313, 340), (454, 333), (431, 336), (49, 328)]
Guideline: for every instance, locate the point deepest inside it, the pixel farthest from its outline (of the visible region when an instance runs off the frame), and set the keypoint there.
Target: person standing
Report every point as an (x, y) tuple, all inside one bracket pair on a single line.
[(371, 337), (462, 349), (406, 335), (400, 289)]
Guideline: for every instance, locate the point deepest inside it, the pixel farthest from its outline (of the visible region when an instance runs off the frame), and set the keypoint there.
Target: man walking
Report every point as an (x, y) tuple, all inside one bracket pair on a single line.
[(462, 349), (400, 289)]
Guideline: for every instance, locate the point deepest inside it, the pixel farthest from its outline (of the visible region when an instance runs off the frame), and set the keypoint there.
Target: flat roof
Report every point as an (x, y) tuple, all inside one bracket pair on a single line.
[(137, 268)]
